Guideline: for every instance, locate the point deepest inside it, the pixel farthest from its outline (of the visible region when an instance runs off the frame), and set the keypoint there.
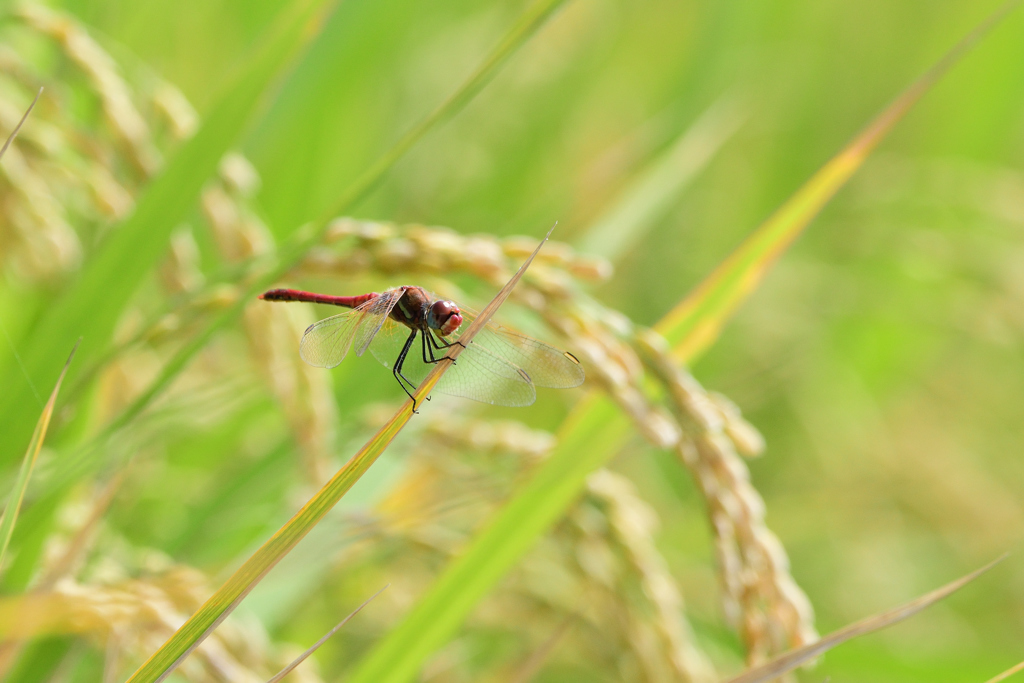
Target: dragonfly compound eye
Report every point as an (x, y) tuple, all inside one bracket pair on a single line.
[(446, 317)]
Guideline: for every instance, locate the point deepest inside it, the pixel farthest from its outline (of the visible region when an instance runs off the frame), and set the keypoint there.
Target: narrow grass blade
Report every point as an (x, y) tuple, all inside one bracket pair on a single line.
[(228, 596), (316, 646), (292, 253), (91, 306), (794, 658), (1006, 674), (10, 515), (649, 197), (532, 666), (3, 150), (596, 429), (697, 321), (17, 128)]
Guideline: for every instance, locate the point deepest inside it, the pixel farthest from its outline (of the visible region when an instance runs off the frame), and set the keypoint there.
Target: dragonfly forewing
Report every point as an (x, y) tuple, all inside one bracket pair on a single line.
[(326, 343), (375, 315)]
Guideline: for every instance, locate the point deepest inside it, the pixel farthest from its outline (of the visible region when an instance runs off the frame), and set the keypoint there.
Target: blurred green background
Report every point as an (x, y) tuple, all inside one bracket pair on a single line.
[(882, 359)]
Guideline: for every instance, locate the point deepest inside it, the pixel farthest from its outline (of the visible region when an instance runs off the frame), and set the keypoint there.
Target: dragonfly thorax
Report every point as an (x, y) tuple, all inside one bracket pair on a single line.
[(444, 316)]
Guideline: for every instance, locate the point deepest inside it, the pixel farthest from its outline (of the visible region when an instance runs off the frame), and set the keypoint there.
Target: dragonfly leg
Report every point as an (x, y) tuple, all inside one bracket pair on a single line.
[(397, 370), (429, 345), (441, 345), (423, 348)]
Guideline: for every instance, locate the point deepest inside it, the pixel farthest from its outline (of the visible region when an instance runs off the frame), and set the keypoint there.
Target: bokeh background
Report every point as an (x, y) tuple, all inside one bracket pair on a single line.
[(882, 359)]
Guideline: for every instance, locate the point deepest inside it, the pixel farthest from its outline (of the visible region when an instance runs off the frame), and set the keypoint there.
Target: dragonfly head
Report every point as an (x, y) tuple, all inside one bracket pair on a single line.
[(444, 316)]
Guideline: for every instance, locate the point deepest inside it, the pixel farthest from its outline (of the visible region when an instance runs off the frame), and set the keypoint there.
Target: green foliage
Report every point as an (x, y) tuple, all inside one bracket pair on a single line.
[(879, 355), (91, 305)]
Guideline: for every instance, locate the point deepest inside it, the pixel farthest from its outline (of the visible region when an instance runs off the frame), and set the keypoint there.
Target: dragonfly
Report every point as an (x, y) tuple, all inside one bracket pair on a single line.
[(499, 366)]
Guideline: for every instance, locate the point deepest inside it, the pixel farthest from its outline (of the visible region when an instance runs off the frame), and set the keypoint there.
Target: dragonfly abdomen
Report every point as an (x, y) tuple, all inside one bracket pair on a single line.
[(299, 295)]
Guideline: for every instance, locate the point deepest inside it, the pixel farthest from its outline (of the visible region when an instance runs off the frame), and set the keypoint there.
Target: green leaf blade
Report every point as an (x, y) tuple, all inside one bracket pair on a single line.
[(10, 514), (540, 503), (696, 322)]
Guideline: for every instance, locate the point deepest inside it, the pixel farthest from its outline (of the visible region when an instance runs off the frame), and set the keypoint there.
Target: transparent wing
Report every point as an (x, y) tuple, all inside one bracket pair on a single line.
[(478, 374), (545, 365), (326, 343), (482, 376), (377, 313)]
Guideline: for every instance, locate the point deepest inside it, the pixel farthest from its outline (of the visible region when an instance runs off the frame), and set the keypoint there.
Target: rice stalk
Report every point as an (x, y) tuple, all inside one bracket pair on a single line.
[(593, 433), (121, 113), (631, 524), (554, 294), (131, 617), (762, 601), (790, 660), (91, 308), (604, 549)]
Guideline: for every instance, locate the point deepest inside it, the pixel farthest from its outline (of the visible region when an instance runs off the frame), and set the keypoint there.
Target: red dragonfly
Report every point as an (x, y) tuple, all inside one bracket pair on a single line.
[(499, 366)]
